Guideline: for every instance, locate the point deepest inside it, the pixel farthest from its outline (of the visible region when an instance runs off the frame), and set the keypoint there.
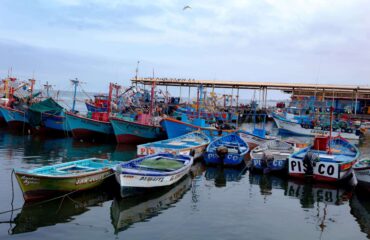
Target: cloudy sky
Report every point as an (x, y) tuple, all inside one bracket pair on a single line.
[(311, 41)]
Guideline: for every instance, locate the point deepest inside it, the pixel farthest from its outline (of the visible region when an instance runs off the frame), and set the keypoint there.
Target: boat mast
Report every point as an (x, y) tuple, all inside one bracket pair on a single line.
[(47, 86), (32, 85), (152, 98), (331, 128), (75, 83)]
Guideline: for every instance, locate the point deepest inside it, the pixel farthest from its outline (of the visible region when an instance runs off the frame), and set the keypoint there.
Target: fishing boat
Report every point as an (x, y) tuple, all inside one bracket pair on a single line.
[(46, 116), (362, 172), (18, 100), (67, 177), (328, 159), (140, 131), (175, 128), (195, 143), (156, 170), (95, 126), (305, 127), (228, 150), (256, 138), (272, 156), (100, 103)]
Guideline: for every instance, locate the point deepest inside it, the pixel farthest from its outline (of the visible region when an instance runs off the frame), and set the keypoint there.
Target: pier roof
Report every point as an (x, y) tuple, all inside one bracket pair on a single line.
[(286, 87)]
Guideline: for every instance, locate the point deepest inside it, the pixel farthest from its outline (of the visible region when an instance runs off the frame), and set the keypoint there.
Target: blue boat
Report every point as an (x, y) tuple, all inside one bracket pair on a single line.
[(14, 118), (328, 160), (89, 129), (100, 103), (176, 128), (156, 170), (195, 142), (48, 115), (129, 131), (272, 156), (235, 150)]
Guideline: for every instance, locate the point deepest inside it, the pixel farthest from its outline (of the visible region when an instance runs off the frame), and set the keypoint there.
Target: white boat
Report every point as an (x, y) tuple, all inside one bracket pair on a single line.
[(193, 143), (156, 170), (292, 126), (362, 172), (328, 160), (271, 156)]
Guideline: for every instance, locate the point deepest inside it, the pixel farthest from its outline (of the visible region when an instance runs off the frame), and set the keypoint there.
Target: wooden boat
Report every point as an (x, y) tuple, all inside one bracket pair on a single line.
[(254, 139), (195, 142), (232, 154), (90, 129), (156, 170), (140, 131), (362, 172), (327, 159), (271, 156), (62, 178)]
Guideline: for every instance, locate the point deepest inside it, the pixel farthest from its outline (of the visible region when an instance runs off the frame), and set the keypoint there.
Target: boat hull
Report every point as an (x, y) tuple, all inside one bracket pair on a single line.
[(89, 129), (236, 151), (131, 132), (176, 128), (12, 116), (190, 144), (229, 160), (56, 122), (36, 187), (129, 176), (362, 172), (131, 180), (296, 129)]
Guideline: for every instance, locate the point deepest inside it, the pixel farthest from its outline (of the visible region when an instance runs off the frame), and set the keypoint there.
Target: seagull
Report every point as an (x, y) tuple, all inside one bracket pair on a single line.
[(186, 7)]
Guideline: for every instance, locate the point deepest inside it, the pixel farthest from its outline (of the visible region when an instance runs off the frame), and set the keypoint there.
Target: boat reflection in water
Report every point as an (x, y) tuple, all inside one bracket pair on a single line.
[(126, 211), (267, 182), (360, 209), (222, 175), (309, 193), (62, 210)]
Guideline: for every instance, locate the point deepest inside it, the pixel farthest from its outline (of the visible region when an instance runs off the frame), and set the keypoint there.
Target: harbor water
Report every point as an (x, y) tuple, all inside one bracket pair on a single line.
[(210, 203)]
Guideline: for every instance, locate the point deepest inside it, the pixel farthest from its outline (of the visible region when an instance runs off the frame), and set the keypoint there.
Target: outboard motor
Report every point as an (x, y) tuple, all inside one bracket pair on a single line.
[(266, 162), (309, 161), (221, 152)]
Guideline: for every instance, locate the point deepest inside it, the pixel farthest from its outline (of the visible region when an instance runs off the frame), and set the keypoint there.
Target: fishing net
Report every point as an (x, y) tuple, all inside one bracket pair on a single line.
[(47, 106), (161, 164)]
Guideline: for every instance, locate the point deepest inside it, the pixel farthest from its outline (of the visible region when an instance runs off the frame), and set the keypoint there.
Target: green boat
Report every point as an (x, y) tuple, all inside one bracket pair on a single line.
[(47, 181)]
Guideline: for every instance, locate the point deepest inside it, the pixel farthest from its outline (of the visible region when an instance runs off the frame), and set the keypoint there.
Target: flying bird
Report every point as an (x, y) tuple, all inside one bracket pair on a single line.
[(186, 7)]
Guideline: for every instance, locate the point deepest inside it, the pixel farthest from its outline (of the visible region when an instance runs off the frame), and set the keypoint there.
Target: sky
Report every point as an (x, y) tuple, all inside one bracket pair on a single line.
[(99, 41)]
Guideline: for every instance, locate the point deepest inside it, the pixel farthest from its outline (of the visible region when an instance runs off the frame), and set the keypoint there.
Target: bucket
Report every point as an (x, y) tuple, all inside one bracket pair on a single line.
[(321, 143)]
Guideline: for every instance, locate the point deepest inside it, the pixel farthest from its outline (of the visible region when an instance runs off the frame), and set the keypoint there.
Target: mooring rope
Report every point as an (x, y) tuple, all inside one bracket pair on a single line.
[(41, 202)]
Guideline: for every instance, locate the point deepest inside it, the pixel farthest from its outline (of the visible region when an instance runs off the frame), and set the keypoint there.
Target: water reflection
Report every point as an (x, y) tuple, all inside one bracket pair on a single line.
[(60, 210), (309, 193), (360, 209), (222, 175), (138, 208), (124, 152), (267, 182)]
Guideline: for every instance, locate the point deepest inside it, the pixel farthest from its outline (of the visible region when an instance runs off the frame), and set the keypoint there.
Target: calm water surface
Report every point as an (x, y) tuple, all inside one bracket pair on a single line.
[(212, 203)]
